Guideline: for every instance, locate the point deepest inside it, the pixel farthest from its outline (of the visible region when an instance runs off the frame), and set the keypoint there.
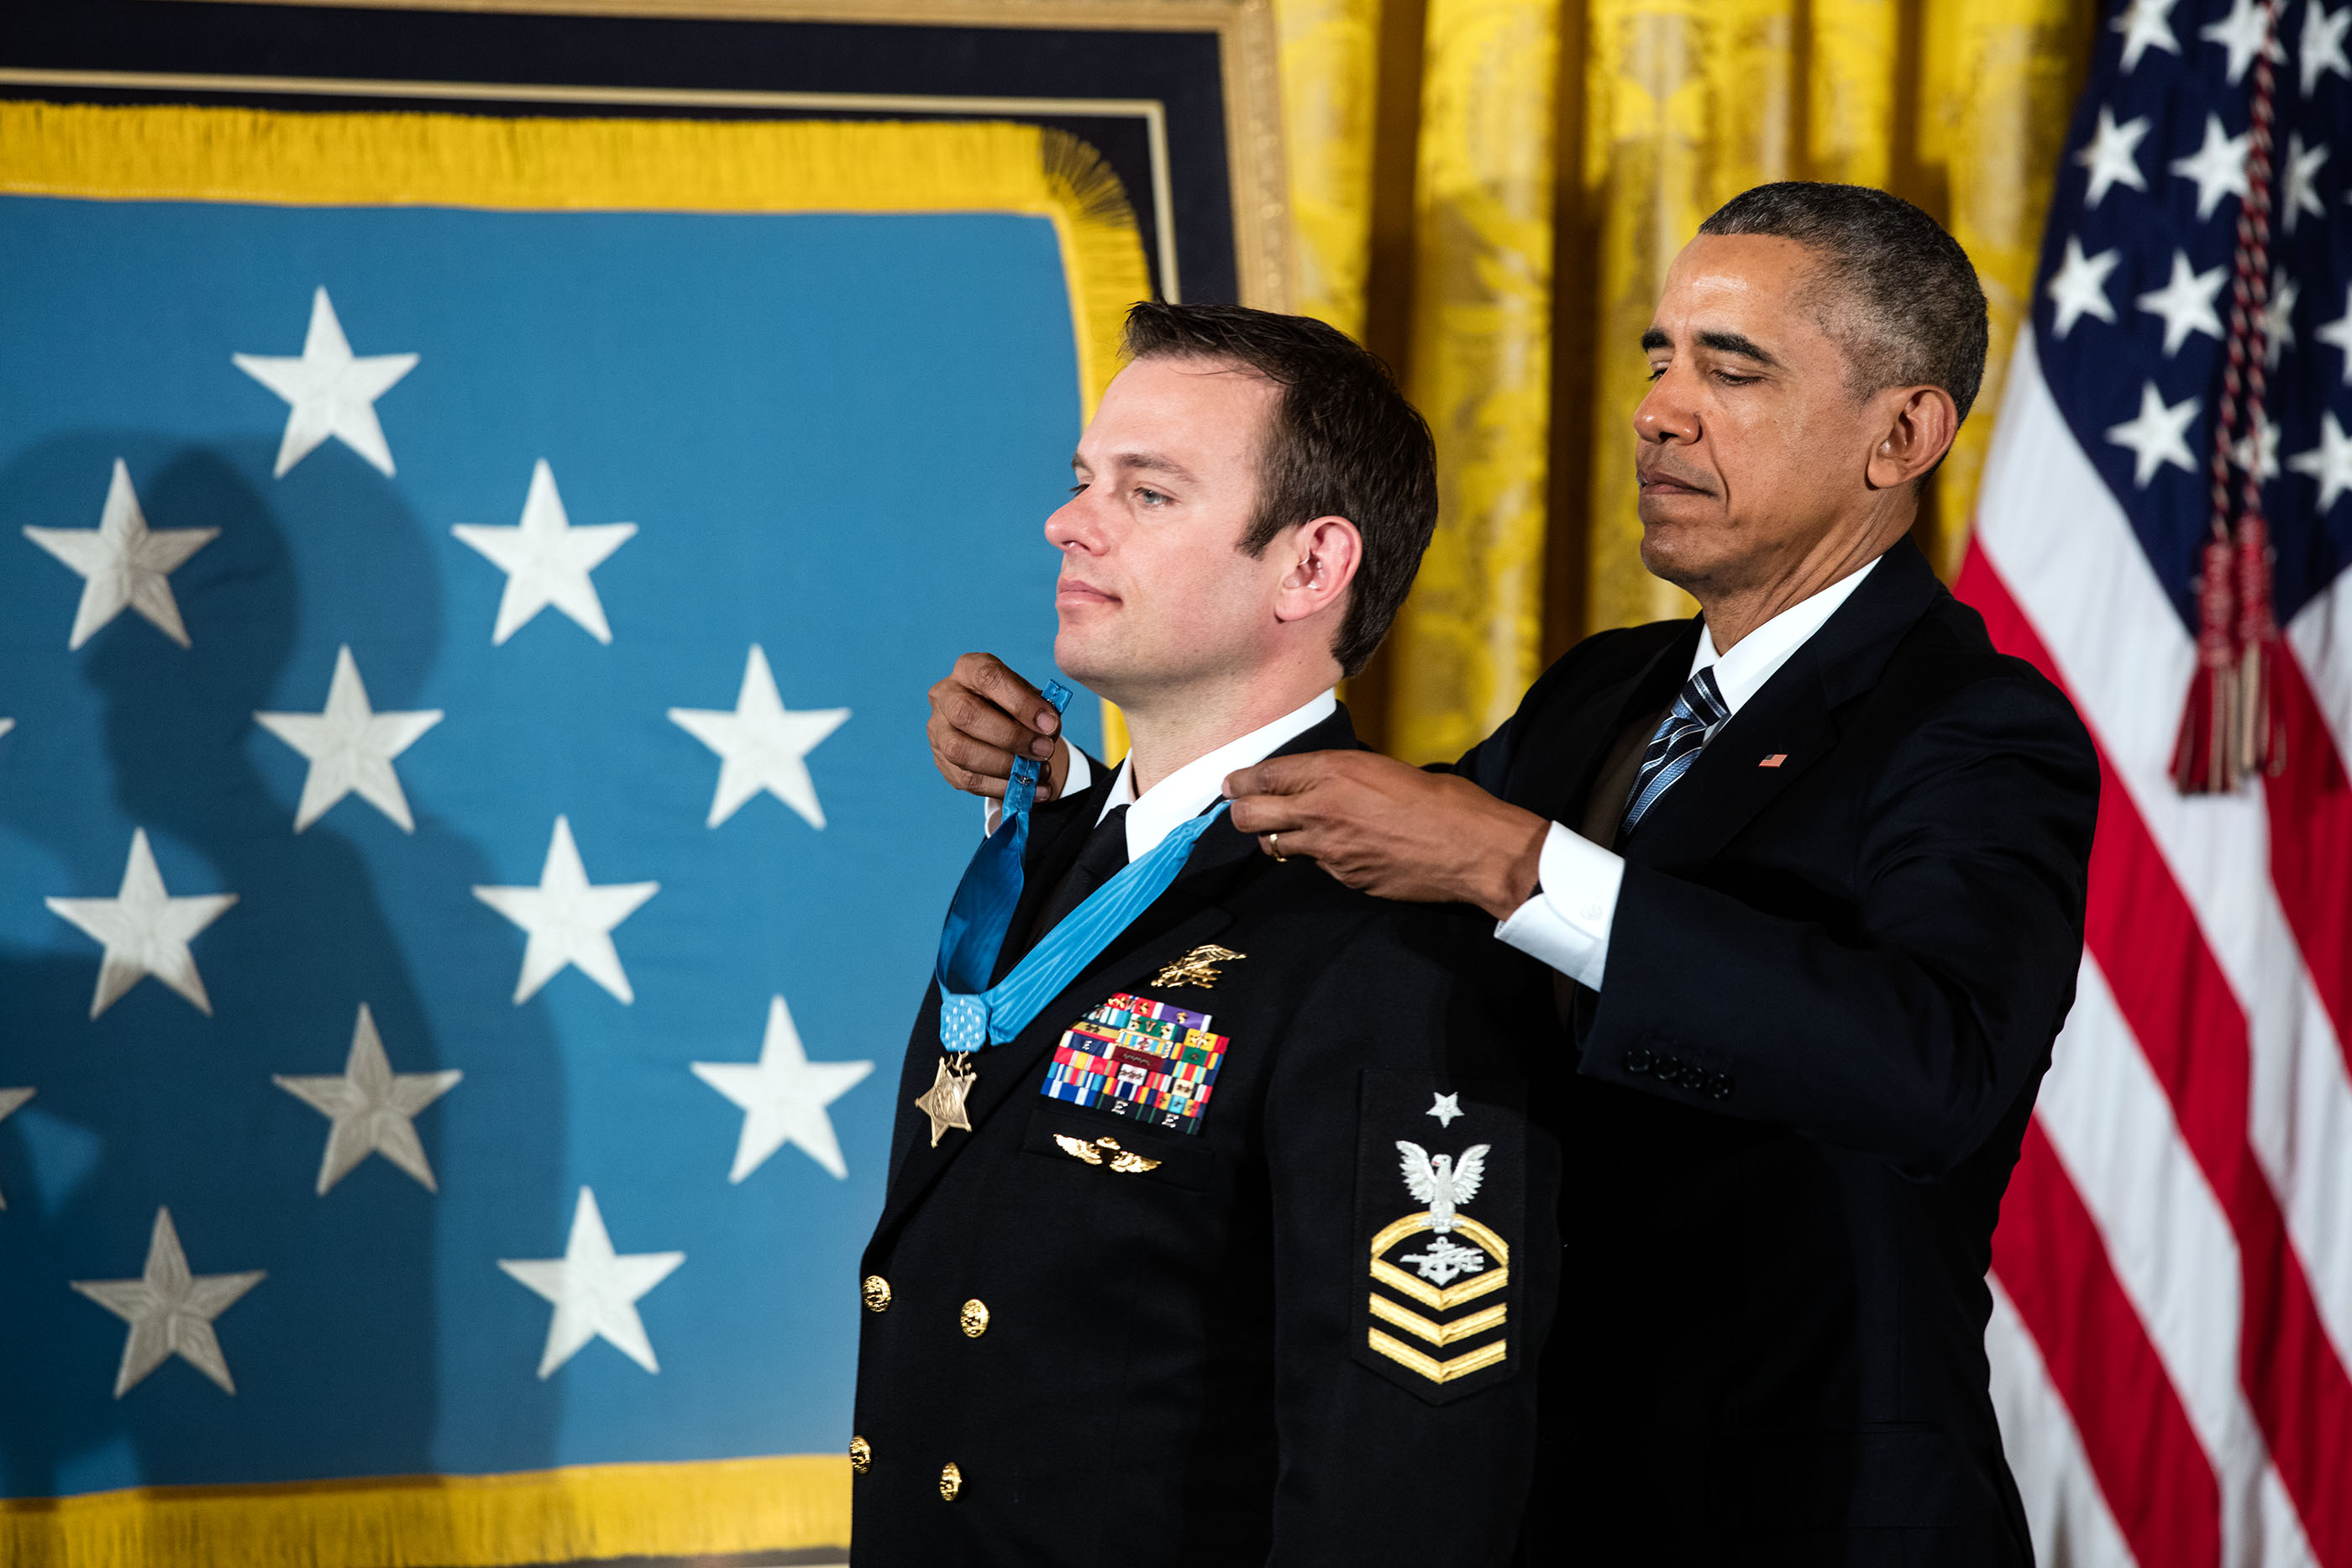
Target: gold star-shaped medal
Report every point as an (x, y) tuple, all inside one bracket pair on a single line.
[(943, 1101)]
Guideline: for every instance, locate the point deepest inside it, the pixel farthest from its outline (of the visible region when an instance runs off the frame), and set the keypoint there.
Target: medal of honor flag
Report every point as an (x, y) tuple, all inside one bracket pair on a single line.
[(465, 835)]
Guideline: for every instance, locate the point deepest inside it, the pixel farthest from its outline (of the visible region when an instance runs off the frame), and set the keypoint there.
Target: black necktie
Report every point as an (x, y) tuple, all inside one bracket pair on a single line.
[(1103, 857)]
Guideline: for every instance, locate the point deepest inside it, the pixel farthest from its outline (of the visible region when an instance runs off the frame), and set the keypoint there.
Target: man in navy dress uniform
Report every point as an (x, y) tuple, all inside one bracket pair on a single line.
[(1807, 874), (1241, 1249)]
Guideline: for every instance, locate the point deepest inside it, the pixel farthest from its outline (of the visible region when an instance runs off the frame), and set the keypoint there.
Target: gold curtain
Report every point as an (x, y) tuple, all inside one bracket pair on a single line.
[(1488, 192)]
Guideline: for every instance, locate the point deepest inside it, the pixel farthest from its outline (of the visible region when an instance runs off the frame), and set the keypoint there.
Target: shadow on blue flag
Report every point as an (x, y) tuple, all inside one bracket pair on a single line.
[(466, 828)]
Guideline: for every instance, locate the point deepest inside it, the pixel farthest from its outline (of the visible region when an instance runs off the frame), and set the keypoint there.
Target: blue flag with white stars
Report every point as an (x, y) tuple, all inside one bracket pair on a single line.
[(468, 851)]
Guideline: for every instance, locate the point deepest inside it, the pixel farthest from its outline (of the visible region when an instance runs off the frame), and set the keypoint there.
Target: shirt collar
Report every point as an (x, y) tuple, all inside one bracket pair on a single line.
[(1757, 657), (1193, 788)]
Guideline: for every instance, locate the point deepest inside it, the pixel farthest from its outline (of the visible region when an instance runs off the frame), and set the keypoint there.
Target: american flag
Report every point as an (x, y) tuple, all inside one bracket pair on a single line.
[(2173, 1273)]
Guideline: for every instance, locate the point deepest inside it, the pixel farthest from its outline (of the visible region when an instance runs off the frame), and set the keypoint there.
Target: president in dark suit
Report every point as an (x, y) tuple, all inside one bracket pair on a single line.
[(1808, 874), (1242, 1249)]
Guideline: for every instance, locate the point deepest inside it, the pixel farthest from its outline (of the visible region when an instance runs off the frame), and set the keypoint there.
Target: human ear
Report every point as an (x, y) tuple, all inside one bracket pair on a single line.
[(1321, 557), (1919, 424)]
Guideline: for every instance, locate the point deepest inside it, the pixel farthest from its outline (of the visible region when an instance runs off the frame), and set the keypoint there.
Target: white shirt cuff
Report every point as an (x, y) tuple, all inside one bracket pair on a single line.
[(1081, 778), (1566, 924)]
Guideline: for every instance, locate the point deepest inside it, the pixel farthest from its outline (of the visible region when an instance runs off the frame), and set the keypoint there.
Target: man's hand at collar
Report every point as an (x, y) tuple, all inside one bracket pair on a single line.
[(981, 714), (1392, 831)]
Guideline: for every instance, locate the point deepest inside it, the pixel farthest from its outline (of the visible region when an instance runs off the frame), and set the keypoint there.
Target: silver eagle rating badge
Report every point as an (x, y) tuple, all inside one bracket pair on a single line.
[(1437, 1181)]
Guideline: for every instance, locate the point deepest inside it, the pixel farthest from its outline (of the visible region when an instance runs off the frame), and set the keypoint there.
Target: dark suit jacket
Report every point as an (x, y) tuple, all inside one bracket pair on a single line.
[(1183, 1365), (1832, 987)]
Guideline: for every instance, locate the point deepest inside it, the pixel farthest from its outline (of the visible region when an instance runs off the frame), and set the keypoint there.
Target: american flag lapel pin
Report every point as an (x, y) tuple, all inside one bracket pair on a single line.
[(1774, 760)]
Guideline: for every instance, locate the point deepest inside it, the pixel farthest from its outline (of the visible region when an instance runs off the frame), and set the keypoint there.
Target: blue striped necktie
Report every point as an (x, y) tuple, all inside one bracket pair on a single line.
[(1697, 713)]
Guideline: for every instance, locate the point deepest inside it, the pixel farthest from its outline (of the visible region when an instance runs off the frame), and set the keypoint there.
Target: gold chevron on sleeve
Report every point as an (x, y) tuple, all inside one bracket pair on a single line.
[(1440, 1334), (1430, 1296), (1429, 1367), (1436, 1324)]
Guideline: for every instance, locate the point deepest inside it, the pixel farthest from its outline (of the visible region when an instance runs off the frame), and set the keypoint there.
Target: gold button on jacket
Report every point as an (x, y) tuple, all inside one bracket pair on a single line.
[(876, 1293), (861, 1455), (1087, 1294)]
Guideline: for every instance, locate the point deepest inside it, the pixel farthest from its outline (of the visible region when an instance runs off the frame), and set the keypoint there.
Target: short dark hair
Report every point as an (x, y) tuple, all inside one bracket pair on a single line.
[(1342, 442), (1900, 293)]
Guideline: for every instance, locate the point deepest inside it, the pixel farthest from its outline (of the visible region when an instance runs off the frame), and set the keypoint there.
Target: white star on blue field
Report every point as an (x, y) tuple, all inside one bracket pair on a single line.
[(584, 559)]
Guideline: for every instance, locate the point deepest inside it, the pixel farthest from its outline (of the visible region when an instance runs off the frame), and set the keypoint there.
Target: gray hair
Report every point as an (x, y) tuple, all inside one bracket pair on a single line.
[(1895, 290)]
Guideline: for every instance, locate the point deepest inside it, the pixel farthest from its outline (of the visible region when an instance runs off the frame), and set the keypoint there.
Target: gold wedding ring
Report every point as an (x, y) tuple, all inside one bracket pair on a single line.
[(1273, 843)]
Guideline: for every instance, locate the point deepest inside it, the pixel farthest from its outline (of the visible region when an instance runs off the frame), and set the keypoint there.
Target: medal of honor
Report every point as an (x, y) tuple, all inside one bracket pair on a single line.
[(943, 1101), (975, 1015)]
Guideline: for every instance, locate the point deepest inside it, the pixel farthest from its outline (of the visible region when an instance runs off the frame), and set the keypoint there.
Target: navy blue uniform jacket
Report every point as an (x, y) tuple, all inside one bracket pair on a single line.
[(1242, 1342)]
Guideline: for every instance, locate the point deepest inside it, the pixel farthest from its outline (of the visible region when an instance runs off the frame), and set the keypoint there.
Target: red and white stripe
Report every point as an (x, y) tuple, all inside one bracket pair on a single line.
[(2173, 1270)]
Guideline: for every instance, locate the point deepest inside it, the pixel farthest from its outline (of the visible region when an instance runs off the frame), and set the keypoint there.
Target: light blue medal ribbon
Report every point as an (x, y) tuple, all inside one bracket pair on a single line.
[(971, 1017), (984, 900)]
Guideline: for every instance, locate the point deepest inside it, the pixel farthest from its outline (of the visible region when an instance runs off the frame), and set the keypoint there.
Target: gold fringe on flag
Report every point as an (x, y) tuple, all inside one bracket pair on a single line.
[(175, 154), (442, 1521)]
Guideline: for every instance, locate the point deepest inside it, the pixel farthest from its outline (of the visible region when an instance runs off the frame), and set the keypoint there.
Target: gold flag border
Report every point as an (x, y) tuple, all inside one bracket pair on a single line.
[(174, 152), (180, 154), (442, 1521)]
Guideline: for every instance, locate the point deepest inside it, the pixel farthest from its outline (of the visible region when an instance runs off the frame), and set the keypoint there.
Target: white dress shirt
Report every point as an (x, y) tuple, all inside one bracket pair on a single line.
[(1192, 788), (1566, 924)]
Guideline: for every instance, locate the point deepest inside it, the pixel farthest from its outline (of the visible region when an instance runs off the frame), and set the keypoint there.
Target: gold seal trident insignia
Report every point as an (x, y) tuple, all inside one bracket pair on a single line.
[(1198, 967)]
